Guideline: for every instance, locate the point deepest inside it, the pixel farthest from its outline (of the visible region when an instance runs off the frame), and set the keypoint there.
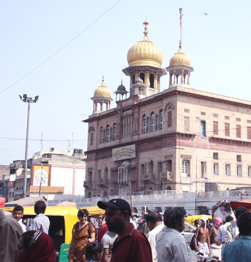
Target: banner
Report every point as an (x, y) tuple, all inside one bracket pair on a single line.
[(124, 152), (41, 175)]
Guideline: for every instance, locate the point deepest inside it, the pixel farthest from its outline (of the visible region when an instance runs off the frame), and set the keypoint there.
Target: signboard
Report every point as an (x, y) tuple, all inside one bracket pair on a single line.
[(47, 189), (125, 152), (40, 174), (10, 184)]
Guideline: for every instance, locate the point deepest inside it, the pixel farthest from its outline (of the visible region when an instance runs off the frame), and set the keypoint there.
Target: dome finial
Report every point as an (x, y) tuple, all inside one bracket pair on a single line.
[(146, 29), (103, 79), (181, 14)]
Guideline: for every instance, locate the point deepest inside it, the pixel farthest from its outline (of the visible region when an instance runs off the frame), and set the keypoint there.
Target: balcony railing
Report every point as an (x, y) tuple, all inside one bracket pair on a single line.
[(148, 178), (167, 175), (104, 182), (88, 184)]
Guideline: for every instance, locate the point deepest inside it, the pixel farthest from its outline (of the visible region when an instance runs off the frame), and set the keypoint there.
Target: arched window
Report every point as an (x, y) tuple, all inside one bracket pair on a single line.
[(101, 135), (114, 131), (133, 79), (156, 122), (89, 195), (151, 80), (168, 188), (169, 116), (91, 131), (144, 124), (106, 174), (107, 133), (161, 119), (142, 76), (152, 121)]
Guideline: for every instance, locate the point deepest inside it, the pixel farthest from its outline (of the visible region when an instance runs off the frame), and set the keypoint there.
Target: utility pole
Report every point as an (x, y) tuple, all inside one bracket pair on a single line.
[(28, 100), (41, 180)]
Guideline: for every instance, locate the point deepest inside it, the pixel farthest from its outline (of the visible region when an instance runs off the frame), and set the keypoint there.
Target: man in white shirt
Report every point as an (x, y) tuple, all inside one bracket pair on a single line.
[(232, 230), (40, 221), (223, 228), (170, 244), (154, 222), (18, 213), (107, 241)]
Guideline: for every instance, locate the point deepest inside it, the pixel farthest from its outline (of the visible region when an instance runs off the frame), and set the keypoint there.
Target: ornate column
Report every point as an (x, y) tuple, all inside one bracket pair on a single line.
[(181, 77)]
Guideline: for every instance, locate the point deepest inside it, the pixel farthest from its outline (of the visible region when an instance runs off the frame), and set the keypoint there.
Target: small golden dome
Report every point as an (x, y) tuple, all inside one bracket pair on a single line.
[(179, 58), (102, 91), (145, 52)]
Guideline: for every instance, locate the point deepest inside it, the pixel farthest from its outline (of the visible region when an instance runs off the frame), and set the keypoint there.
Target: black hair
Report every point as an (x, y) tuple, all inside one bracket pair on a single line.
[(172, 216), (40, 207), (83, 212), (244, 224), (18, 208), (229, 218), (92, 250), (239, 211), (153, 216), (27, 236)]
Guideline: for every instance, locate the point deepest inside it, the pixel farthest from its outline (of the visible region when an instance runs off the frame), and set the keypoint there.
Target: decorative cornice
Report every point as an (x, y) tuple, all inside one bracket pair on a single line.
[(141, 141), (168, 93), (229, 141), (132, 69), (100, 116)]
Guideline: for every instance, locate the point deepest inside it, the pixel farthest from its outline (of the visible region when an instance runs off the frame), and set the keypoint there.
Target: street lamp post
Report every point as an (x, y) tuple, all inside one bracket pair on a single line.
[(28, 100)]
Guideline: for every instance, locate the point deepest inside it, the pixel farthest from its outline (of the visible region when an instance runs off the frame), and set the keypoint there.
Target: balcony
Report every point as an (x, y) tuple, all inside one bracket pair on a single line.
[(103, 182), (148, 178), (88, 184), (166, 176)]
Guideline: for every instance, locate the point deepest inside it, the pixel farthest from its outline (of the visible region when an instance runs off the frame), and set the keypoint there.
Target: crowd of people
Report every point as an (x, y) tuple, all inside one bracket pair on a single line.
[(120, 236)]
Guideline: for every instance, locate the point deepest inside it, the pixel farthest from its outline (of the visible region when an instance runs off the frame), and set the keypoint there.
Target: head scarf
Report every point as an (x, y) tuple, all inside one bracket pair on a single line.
[(217, 221), (204, 219), (43, 250)]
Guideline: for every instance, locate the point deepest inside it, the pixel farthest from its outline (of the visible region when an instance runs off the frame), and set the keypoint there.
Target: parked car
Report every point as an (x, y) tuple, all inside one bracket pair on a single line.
[(188, 232)]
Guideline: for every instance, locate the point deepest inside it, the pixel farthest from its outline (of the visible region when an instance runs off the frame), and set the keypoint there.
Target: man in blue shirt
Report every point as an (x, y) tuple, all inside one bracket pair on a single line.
[(239, 250)]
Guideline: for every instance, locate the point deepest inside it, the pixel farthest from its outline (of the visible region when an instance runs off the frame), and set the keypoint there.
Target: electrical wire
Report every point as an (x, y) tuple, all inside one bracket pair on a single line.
[(60, 48), (46, 140)]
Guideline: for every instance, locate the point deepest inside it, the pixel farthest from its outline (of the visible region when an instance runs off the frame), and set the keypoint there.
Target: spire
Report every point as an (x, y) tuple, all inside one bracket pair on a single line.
[(181, 14), (146, 30), (103, 79)]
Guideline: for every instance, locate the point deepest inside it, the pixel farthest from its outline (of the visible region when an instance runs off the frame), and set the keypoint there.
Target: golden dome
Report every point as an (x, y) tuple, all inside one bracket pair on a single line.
[(179, 58), (145, 52), (102, 91)]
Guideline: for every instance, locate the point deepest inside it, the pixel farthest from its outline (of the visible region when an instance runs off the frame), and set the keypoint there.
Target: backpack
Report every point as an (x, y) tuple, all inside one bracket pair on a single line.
[(212, 239), (192, 243)]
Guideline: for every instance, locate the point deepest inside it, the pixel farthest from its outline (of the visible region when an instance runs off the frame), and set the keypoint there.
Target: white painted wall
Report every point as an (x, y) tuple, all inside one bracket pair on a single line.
[(62, 177), (79, 181)]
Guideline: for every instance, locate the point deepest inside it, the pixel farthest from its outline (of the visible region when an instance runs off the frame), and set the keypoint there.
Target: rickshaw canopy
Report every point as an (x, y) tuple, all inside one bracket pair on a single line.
[(191, 219), (244, 203)]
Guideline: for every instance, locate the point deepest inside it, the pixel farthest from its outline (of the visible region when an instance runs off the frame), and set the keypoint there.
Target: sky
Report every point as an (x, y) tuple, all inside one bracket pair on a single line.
[(59, 50)]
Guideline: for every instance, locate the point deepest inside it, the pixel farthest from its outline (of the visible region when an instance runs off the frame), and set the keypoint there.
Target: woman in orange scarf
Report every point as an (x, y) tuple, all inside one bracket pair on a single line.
[(83, 233)]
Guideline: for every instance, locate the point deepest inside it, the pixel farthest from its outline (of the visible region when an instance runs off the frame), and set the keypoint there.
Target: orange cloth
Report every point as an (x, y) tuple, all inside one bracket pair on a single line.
[(79, 242)]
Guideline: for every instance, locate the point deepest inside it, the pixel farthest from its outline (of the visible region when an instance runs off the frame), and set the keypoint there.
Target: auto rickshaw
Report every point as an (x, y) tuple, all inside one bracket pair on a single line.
[(62, 220), (192, 219)]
